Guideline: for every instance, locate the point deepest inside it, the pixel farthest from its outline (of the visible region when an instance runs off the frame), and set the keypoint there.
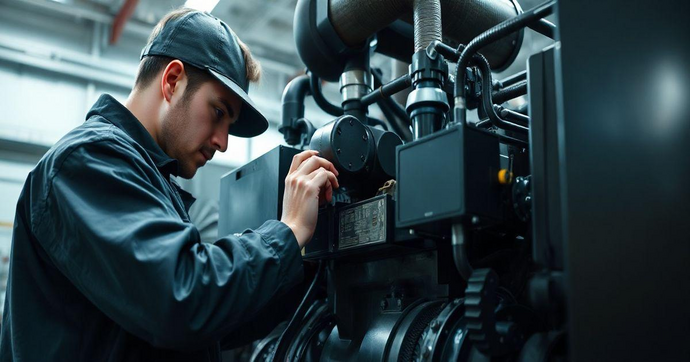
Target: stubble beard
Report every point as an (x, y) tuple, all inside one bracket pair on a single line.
[(172, 136)]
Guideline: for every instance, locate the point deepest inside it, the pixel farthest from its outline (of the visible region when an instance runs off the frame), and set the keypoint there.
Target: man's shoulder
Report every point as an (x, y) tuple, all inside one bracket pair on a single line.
[(96, 135)]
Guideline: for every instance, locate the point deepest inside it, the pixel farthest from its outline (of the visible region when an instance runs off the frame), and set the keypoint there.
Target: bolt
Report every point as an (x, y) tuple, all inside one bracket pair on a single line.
[(339, 131), (475, 220), (361, 157), (434, 325), (528, 199), (365, 137), (399, 303), (338, 151), (349, 165), (411, 231), (384, 304), (352, 123)]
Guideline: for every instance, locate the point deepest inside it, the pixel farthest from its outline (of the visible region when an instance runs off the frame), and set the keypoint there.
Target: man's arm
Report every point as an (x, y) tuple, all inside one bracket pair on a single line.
[(119, 240)]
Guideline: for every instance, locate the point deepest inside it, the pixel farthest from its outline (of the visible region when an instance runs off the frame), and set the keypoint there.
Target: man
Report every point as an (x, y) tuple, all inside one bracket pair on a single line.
[(105, 264)]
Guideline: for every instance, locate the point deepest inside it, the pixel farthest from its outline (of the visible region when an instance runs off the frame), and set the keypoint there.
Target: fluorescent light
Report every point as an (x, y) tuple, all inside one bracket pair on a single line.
[(201, 5)]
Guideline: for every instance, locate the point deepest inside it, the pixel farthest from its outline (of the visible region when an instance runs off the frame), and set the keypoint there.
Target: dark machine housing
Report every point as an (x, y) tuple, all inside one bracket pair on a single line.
[(456, 238)]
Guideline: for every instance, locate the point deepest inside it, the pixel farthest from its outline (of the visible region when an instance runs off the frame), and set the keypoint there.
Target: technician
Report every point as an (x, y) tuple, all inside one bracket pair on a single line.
[(105, 262)]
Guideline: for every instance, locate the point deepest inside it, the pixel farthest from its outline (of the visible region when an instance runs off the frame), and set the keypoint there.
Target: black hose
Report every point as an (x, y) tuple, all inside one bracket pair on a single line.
[(291, 329), (545, 28), (487, 101), (497, 32), (320, 100), (510, 92), (396, 108), (396, 85)]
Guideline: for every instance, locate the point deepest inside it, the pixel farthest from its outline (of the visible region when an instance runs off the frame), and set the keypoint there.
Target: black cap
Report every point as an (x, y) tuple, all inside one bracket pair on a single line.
[(206, 42)]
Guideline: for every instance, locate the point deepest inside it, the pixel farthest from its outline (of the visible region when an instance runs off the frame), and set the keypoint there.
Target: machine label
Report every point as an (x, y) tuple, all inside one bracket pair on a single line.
[(363, 224)]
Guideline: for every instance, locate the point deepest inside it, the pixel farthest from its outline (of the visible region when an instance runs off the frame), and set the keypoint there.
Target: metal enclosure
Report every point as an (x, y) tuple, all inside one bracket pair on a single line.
[(253, 193), (624, 118)]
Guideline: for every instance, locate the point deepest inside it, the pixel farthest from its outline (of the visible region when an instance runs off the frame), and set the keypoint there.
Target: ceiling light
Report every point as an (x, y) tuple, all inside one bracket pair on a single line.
[(201, 5)]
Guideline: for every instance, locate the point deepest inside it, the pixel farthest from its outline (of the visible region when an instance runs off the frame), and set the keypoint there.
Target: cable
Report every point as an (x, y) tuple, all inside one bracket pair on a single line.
[(545, 28), (291, 328), (495, 33), (487, 100), (320, 100), (515, 78)]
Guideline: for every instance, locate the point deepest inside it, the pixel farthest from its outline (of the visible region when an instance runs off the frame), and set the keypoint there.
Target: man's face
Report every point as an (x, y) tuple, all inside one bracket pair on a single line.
[(197, 126)]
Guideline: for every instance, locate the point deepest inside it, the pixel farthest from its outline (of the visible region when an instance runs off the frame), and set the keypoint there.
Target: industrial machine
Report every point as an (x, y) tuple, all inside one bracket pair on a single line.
[(447, 238)]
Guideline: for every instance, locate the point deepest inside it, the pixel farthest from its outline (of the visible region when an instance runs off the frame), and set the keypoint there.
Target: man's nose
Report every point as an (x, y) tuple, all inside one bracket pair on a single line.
[(220, 139)]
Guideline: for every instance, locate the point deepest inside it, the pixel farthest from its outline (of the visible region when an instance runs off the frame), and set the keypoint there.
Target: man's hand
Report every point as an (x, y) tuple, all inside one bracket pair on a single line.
[(309, 183)]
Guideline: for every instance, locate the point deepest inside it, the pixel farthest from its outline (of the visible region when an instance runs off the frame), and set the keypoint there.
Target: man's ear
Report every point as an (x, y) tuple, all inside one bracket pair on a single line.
[(172, 78)]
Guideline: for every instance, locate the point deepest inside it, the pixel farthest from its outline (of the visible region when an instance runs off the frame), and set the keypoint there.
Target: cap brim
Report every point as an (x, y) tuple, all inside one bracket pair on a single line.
[(250, 122)]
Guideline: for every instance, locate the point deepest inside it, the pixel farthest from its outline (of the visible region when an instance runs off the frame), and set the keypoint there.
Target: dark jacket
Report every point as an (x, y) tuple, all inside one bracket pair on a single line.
[(106, 265)]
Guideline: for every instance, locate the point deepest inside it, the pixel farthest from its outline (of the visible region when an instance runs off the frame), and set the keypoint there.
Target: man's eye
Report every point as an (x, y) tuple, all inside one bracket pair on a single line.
[(219, 114)]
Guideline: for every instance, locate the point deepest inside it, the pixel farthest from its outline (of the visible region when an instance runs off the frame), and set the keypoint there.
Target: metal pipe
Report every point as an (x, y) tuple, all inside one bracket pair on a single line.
[(293, 108), (512, 115), (396, 85), (495, 33), (462, 263)]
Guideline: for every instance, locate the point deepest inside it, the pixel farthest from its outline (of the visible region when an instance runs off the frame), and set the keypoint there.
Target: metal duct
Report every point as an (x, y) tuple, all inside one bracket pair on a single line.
[(427, 23), (356, 20)]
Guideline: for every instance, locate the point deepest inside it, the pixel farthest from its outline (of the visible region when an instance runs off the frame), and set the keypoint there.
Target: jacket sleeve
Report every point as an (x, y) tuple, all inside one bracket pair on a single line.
[(108, 227)]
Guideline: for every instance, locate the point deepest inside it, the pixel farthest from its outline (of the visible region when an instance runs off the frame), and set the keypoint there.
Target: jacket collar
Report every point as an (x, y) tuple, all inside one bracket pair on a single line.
[(117, 114)]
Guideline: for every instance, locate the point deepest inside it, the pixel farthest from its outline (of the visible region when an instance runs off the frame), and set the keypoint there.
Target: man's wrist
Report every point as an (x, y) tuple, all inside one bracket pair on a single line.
[(299, 233)]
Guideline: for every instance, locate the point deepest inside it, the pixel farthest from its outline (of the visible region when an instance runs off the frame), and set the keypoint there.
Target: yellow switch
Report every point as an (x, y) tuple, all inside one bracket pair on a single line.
[(505, 177)]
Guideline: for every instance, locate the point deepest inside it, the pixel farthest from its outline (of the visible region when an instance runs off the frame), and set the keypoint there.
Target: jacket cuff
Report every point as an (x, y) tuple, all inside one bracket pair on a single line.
[(282, 240)]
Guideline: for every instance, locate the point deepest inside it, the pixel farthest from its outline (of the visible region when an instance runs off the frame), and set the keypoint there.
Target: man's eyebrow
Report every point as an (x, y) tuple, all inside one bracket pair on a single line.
[(228, 108)]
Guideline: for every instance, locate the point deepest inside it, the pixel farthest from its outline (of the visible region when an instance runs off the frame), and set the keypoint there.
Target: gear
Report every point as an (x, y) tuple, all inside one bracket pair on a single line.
[(490, 337)]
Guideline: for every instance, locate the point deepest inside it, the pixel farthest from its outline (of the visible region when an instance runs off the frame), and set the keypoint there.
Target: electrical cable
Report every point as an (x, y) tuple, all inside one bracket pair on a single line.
[(495, 33), (291, 328)]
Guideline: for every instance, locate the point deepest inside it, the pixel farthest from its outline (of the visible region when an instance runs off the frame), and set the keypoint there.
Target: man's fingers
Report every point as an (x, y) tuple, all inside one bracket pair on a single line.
[(326, 194), (330, 176), (299, 158), (314, 163)]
